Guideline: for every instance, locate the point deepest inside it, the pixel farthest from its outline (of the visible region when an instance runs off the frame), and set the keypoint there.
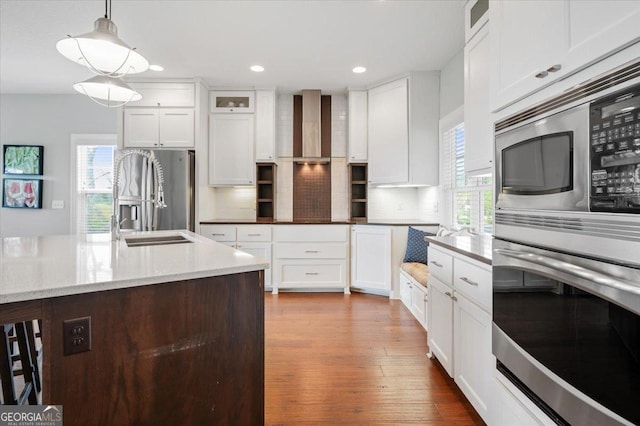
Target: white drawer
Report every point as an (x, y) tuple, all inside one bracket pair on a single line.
[(311, 251), (258, 233), (219, 232), (310, 273), (440, 265), (304, 233), (474, 282)]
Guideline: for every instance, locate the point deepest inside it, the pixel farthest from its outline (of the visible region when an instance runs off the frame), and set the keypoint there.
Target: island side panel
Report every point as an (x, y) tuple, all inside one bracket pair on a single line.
[(188, 352)]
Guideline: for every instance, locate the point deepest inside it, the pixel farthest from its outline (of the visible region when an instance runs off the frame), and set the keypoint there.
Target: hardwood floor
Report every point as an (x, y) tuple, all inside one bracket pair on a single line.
[(353, 359)]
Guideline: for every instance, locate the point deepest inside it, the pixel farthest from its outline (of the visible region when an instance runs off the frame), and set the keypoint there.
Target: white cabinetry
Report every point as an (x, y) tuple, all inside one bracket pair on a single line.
[(512, 407), (231, 143), (252, 239), (415, 297), (164, 118), (478, 128), (265, 125), (371, 258), (310, 257), (534, 43), (403, 130), (357, 126), (231, 102), (460, 292)]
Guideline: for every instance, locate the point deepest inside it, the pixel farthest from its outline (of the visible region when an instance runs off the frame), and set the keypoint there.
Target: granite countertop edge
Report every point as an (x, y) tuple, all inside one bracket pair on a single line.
[(477, 247)]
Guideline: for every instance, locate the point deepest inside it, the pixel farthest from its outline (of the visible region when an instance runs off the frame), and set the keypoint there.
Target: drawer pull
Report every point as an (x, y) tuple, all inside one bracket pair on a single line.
[(454, 298), (311, 273), (311, 251), (448, 294), (218, 235), (254, 235), (554, 68), (468, 281), (542, 74), (435, 263)]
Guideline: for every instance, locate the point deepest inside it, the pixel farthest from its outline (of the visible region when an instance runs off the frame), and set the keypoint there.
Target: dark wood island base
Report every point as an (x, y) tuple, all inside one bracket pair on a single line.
[(186, 352)]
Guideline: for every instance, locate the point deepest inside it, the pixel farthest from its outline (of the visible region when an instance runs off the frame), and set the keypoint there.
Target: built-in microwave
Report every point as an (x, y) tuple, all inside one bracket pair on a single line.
[(569, 179)]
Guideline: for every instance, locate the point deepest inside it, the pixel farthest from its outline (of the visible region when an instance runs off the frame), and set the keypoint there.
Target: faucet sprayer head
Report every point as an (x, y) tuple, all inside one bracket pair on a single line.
[(160, 198)]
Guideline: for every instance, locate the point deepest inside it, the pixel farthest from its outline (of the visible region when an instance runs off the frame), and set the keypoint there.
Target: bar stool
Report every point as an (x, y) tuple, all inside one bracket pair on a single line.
[(25, 338)]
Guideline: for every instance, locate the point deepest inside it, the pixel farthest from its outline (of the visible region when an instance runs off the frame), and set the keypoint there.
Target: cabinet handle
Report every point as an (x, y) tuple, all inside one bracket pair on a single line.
[(239, 246), (468, 281), (218, 235), (311, 273), (448, 294), (454, 298), (254, 235), (435, 263), (542, 74), (554, 68), (311, 251)]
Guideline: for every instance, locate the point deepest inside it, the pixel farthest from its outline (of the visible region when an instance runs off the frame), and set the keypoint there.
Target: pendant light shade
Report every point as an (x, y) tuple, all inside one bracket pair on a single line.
[(107, 91), (102, 51)]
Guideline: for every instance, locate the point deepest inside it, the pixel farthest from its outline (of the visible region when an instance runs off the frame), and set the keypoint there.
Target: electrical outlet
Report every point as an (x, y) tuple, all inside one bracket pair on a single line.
[(76, 335)]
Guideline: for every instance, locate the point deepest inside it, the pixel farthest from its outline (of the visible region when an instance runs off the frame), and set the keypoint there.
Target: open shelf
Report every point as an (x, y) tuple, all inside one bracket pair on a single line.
[(265, 192), (358, 192)]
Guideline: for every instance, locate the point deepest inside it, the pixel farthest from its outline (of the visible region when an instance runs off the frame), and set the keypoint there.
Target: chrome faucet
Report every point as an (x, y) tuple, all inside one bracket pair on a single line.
[(158, 201)]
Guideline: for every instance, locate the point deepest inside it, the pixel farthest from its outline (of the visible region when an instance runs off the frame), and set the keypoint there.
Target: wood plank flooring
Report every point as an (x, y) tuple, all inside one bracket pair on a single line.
[(353, 360)]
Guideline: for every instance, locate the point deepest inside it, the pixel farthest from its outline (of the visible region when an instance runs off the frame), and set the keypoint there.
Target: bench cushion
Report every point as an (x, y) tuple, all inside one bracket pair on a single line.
[(418, 271)]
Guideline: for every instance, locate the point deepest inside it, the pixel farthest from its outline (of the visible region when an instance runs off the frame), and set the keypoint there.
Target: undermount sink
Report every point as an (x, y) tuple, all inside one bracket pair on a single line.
[(141, 241)]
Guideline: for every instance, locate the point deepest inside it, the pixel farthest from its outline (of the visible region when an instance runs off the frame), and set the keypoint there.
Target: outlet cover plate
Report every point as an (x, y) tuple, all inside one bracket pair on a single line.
[(76, 335)]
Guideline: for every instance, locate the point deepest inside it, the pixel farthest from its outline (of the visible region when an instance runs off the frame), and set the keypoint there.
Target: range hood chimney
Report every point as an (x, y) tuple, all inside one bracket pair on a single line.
[(311, 129)]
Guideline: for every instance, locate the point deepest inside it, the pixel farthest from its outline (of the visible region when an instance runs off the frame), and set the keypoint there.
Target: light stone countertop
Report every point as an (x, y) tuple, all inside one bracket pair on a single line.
[(478, 247), (50, 266)]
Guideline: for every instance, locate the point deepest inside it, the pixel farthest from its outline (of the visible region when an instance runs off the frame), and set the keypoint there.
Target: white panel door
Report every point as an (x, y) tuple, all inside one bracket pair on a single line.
[(478, 126), (472, 353), (141, 128), (265, 125), (441, 323), (388, 133), (357, 126), (599, 28), (527, 38), (371, 257), (177, 128), (231, 160), (419, 303)]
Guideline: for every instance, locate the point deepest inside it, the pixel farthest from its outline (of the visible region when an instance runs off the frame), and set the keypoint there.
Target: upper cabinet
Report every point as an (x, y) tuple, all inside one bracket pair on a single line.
[(265, 125), (163, 118), (403, 130), (357, 126), (536, 42), (478, 143), (231, 154), (232, 102)]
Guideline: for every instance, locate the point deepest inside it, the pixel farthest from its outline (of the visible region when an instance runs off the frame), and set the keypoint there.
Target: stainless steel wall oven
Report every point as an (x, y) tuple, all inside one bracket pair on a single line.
[(566, 258)]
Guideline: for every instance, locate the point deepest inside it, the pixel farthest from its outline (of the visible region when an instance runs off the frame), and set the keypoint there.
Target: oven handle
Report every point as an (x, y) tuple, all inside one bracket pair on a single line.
[(566, 267)]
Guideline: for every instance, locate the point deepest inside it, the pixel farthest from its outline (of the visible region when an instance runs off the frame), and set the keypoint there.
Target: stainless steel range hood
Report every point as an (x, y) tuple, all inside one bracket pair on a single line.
[(311, 129)]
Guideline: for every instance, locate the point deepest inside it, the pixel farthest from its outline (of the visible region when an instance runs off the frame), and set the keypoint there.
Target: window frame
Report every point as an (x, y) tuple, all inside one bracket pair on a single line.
[(110, 139)]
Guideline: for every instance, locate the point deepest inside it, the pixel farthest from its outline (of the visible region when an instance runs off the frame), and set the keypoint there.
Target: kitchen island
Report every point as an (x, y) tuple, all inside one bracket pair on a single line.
[(177, 330)]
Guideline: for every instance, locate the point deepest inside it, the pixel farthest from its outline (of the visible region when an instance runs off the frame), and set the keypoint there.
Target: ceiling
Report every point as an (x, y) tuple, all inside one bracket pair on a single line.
[(301, 44)]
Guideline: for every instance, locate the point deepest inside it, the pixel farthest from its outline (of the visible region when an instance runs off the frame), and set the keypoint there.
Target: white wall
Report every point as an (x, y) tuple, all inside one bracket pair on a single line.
[(48, 120), (452, 84)]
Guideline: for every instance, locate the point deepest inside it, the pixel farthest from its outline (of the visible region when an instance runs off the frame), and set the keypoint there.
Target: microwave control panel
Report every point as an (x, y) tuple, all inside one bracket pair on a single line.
[(615, 153)]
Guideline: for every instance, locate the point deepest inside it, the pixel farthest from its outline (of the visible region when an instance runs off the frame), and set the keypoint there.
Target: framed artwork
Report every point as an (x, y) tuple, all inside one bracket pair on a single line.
[(22, 159), (22, 193)]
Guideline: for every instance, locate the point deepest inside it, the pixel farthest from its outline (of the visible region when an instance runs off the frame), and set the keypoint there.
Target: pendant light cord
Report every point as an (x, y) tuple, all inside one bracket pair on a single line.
[(107, 9)]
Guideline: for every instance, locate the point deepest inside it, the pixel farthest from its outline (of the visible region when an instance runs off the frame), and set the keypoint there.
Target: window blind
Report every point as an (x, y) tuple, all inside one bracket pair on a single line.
[(94, 195)]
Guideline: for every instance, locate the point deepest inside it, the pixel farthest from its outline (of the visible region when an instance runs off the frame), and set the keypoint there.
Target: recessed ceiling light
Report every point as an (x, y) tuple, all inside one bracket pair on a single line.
[(156, 67), (257, 68), (359, 70)]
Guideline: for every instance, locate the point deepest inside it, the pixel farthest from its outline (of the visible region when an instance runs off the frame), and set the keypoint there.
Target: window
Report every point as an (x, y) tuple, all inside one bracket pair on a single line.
[(471, 198), (92, 189)]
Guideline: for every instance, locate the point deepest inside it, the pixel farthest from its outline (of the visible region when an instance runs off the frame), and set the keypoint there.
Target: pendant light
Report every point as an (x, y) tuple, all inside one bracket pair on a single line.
[(107, 91), (102, 51)]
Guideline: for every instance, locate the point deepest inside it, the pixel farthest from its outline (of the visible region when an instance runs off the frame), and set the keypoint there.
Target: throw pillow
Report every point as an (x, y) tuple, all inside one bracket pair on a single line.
[(417, 247)]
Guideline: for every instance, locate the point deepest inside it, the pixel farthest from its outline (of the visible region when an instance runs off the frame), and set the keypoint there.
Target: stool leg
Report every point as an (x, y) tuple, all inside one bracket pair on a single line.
[(31, 340), (25, 359), (6, 371)]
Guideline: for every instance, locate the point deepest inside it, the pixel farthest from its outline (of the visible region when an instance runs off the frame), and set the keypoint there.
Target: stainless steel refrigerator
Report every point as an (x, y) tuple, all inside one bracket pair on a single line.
[(138, 187)]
